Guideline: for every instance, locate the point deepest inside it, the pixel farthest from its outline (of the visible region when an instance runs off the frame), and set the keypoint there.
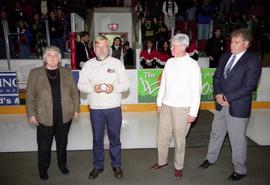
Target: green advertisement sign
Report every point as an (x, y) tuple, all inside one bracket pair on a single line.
[(207, 84), (148, 85), (149, 81)]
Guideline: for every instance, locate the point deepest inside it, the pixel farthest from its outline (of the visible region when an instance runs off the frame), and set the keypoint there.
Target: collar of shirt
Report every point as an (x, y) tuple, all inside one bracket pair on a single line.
[(182, 57), (238, 56)]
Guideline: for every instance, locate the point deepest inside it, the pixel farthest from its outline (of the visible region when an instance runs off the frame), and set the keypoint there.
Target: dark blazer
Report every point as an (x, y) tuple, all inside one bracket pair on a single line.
[(240, 83), (39, 96), (81, 54), (116, 53)]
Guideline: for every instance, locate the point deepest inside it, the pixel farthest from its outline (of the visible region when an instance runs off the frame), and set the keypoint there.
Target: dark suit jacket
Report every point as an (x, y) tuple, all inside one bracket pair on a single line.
[(39, 96), (81, 54), (240, 83)]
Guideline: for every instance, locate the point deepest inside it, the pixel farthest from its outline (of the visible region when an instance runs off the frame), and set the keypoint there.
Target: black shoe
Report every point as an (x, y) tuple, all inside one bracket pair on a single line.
[(94, 173), (236, 176), (44, 176), (118, 173), (205, 164), (64, 170)]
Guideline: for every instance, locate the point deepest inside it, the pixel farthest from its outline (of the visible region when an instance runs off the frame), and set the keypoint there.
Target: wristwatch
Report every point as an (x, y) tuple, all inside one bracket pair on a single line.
[(103, 87)]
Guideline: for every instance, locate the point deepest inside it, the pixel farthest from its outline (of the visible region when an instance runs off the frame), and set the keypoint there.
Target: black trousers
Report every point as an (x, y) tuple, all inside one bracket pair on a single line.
[(45, 137)]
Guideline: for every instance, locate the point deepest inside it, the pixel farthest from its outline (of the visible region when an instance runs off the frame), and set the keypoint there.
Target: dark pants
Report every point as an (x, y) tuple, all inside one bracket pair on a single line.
[(44, 138), (112, 119)]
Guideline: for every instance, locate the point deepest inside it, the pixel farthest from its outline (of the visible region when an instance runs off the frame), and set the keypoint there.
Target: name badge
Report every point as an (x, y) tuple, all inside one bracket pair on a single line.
[(110, 71)]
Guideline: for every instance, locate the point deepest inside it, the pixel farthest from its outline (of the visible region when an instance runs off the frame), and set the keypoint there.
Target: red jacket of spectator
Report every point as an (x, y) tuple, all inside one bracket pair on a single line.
[(148, 56), (192, 51), (163, 57)]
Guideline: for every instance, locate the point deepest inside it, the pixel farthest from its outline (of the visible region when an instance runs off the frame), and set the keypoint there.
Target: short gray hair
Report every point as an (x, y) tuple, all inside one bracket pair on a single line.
[(51, 49), (181, 38)]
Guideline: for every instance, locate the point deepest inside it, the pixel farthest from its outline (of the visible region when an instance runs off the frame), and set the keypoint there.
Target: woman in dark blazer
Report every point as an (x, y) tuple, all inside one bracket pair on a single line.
[(52, 100)]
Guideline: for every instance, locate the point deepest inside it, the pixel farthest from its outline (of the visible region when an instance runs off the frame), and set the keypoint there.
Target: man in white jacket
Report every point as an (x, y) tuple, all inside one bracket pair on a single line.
[(178, 102), (104, 79)]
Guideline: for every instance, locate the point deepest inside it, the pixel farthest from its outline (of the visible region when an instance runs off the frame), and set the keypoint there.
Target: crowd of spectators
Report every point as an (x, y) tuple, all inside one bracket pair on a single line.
[(160, 20), (208, 23), (27, 31)]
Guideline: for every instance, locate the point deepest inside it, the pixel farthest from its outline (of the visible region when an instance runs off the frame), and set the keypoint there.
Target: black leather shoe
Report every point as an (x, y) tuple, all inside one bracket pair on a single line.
[(64, 170), (94, 173), (205, 164), (44, 176), (236, 176), (118, 173)]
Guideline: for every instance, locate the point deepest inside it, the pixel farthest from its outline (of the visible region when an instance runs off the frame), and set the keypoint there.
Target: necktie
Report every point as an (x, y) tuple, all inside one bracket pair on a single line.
[(86, 51), (229, 66)]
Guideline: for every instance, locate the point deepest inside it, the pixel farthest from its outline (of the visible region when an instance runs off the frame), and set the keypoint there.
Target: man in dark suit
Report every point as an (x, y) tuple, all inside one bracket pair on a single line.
[(82, 49), (235, 79)]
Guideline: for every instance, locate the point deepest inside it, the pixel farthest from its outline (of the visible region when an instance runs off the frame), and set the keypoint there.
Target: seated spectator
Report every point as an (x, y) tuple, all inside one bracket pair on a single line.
[(128, 56), (148, 55), (164, 54), (215, 47)]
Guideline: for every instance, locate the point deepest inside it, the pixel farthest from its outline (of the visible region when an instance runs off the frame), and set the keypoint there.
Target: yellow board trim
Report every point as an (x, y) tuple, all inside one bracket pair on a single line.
[(130, 107)]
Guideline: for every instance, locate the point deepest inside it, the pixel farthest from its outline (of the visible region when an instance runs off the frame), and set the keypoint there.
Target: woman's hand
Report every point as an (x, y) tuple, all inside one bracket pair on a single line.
[(76, 115), (33, 121)]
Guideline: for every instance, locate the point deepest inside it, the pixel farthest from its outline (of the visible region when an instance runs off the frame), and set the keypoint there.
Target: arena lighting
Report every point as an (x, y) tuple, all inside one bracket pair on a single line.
[(113, 26)]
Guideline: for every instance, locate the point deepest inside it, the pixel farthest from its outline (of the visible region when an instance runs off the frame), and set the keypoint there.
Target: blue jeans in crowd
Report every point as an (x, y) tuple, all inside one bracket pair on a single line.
[(203, 31)]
